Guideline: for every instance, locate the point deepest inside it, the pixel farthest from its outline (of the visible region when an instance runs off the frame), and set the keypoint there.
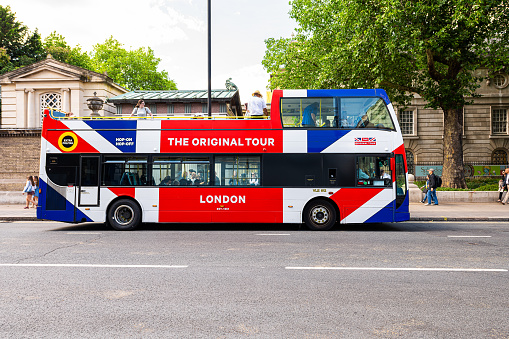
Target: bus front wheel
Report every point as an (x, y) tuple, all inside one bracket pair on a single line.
[(124, 215), (320, 215)]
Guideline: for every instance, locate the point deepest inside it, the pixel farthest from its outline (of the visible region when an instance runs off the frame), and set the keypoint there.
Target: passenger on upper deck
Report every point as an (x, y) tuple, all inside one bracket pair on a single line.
[(257, 107), (141, 110), (309, 115)]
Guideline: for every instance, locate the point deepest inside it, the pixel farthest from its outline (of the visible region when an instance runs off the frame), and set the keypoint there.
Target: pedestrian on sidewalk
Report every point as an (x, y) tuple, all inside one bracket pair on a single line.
[(29, 190), (425, 189), (36, 191), (432, 192), (506, 185)]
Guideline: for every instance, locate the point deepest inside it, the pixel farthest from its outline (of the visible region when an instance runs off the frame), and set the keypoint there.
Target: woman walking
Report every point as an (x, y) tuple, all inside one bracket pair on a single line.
[(29, 190)]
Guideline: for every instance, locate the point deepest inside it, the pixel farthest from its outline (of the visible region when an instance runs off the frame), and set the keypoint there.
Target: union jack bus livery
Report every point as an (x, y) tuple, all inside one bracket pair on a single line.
[(321, 157)]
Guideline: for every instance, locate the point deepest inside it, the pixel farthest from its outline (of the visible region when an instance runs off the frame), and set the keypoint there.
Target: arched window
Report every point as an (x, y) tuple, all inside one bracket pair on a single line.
[(410, 162), (499, 157)]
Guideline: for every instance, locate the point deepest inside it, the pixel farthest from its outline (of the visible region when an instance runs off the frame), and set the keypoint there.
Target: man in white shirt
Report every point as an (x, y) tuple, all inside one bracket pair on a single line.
[(257, 106)]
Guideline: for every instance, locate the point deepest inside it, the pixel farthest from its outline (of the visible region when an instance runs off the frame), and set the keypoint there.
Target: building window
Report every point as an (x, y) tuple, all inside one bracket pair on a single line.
[(499, 121), (170, 109), (406, 122), (499, 157), (410, 161), (187, 108), (222, 107), (119, 109), (204, 108), (50, 100), (153, 108), (500, 80)]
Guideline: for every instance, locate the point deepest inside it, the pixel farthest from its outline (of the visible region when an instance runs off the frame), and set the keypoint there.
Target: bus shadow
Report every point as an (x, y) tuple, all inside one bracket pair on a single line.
[(151, 227)]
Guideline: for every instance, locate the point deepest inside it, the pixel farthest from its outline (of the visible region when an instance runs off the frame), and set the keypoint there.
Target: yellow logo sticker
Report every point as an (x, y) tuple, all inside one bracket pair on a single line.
[(68, 141)]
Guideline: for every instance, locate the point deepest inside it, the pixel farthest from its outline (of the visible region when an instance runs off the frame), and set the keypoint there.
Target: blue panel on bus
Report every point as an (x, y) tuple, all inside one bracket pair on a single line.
[(111, 124), (349, 93), (403, 212), (123, 140), (386, 214), (318, 140)]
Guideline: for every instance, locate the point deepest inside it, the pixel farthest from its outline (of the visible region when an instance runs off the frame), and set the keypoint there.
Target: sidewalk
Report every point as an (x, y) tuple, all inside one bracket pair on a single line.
[(418, 212)]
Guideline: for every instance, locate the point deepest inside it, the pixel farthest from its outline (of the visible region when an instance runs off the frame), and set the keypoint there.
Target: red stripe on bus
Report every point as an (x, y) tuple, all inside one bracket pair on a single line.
[(351, 199)]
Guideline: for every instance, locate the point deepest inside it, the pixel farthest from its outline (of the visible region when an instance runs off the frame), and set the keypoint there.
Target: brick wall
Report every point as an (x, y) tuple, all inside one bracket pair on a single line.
[(19, 158)]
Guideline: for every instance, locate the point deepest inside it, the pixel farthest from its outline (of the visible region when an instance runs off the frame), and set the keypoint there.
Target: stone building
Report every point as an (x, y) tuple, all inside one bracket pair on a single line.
[(485, 130), (26, 91), (180, 102)]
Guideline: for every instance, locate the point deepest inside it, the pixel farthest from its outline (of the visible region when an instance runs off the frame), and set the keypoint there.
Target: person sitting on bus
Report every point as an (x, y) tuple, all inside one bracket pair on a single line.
[(361, 174), (254, 180), (364, 122), (184, 181), (309, 115), (384, 175), (233, 180), (166, 181)]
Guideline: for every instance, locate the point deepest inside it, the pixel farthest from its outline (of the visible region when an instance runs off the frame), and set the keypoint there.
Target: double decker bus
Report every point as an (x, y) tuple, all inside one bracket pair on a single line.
[(321, 157)]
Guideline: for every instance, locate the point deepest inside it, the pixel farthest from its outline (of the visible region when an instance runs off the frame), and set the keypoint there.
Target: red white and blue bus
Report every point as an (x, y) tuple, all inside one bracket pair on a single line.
[(321, 157)]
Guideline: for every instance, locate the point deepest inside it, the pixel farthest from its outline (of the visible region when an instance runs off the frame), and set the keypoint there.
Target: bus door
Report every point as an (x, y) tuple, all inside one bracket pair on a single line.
[(58, 193), (89, 181), (401, 212)]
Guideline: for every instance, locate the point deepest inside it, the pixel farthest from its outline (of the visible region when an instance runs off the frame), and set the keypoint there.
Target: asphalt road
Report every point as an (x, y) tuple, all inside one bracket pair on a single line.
[(408, 280)]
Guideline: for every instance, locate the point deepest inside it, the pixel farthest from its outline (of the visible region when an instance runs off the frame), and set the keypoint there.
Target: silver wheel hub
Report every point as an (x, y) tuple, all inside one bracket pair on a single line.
[(320, 215), (123, 214)]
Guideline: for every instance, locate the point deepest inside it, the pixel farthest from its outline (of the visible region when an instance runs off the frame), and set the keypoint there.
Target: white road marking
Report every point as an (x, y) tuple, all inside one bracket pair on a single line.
[(93, 265), (274, 234), (83, 233), (400, 269), (469, 236)]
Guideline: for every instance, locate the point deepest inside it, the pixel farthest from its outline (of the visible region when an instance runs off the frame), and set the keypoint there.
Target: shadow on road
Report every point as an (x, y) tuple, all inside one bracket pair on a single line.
[(149, 227)]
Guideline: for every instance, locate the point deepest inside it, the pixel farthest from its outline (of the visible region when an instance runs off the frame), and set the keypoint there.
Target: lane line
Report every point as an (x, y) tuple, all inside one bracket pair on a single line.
[(93, 265), (469, 236), (400, 269), (80, 233)]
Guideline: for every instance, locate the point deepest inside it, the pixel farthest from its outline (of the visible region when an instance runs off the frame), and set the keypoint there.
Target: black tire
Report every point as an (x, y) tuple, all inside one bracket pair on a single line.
[(320, 215), (124, 215)]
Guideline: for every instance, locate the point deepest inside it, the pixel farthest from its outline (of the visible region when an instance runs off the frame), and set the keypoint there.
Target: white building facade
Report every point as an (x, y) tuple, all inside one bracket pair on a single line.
[(28, 90)]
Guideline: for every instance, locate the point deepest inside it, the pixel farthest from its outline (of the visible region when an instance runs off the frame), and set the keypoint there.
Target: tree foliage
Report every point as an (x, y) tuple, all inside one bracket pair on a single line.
[(56, 45), (133, 69), (18, 46), (429, 47)]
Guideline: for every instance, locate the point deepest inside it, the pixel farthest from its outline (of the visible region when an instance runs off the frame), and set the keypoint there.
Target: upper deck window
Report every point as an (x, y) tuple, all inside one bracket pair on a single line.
[(348, 113)]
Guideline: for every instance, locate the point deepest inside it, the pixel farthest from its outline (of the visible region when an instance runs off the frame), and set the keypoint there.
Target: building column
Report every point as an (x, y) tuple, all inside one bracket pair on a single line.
[(31, 114), (66, 105)]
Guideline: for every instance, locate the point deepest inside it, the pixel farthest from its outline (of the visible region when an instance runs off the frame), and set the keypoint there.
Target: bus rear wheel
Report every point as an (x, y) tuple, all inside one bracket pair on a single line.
[(124, 215), (320, 215)]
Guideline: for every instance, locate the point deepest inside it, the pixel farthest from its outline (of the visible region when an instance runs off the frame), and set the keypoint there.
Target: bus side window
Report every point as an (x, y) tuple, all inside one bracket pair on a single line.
[(237, 171), (373, 171)]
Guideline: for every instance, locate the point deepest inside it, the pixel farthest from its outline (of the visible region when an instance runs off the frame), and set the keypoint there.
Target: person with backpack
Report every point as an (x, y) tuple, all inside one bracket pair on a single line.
[(434, 182)]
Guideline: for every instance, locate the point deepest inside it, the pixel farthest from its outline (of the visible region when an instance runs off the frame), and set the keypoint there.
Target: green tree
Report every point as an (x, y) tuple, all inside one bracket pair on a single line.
[(56, 45), (20, 47), (428, 47), (135, 70)]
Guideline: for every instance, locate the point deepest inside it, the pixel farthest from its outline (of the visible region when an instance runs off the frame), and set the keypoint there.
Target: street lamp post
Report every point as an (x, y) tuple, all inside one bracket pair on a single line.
[(209, 98)]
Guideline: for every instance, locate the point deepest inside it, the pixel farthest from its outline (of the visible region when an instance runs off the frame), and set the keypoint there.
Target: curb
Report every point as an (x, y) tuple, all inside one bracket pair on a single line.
[(20, 219), (458, 219)]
